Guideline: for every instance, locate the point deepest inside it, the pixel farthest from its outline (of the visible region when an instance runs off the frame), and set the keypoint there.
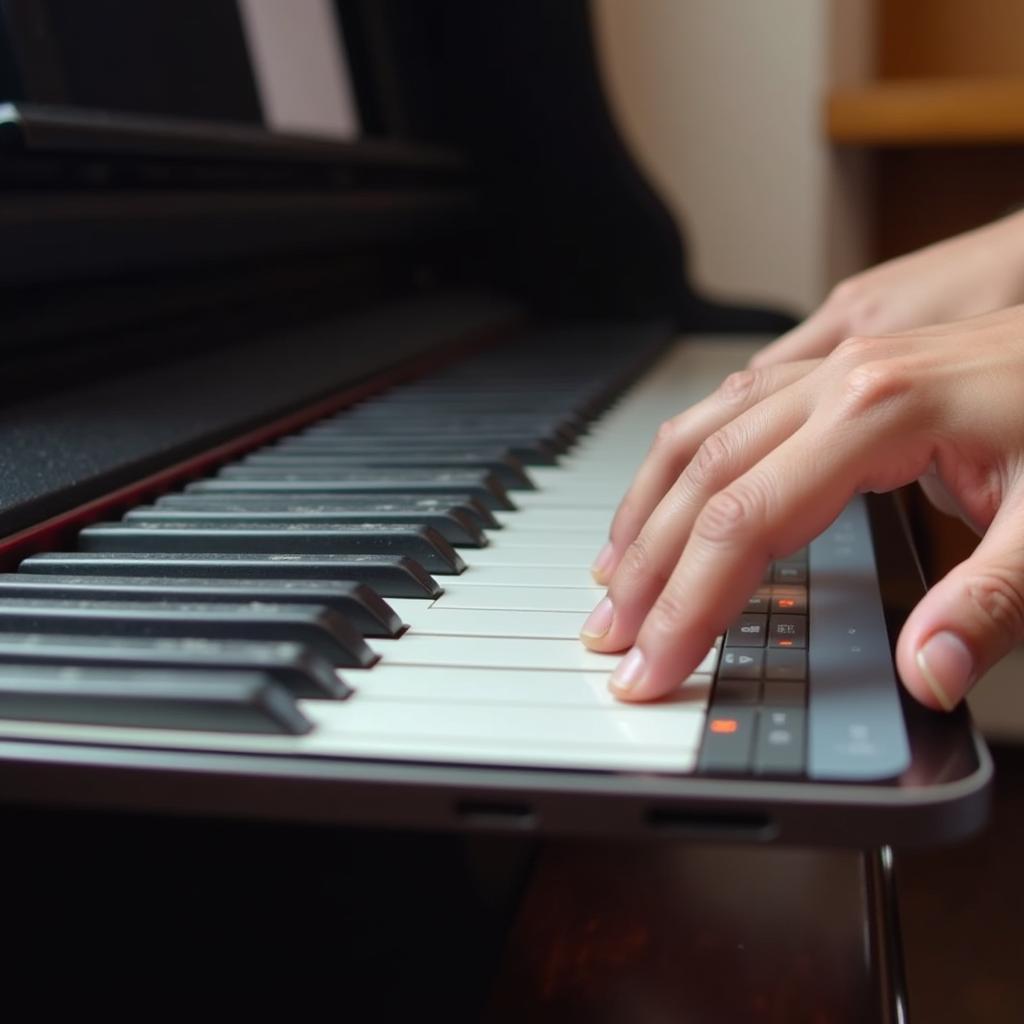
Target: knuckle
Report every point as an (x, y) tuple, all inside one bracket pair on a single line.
[(670, 610), (871, 385), (665, 434), (845, 291), (842, 292), (709, 460), (858, 301), (999, 597), (728, 515), (738, 388), (636, 559), (857, 349)]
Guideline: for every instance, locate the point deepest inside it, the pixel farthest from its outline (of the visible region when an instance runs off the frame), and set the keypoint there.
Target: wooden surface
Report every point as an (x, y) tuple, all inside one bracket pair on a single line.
[(962, 914), (644, 933), (656, 933), (925, 194), (935, 111), (949, 37)]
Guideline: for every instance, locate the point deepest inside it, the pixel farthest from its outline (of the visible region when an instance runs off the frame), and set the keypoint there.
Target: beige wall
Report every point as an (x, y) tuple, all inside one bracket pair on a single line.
[(721, 100)]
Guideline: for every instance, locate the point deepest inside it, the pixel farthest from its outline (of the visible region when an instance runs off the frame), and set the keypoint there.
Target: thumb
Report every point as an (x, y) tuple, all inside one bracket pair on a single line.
[(970, 618)]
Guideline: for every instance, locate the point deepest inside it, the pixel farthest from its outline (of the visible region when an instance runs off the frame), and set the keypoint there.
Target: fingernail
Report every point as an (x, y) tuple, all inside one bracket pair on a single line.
[(603, 562), (599, 621), (947, 667), (629, 671)]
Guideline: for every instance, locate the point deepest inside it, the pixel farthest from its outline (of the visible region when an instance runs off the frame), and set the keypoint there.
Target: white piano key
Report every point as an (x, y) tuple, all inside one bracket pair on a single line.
[(526, 537), (672, 725), (402, 730), (710, 660), (504, 686), (571, 556), (523, 576), (476, 744), (591, 475), (437, 620), (564, 655), (493, 652), (408, 608), (550, 599), (568, 490), (522, 753), (500, 599), (429, 617), (552, 498), (553, 519)]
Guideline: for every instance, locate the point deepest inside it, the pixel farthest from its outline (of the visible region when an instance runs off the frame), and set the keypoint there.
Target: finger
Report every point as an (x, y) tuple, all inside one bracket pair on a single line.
[(675, 446), (970, 618), (936, 492), (780, 505), (815, 337), (649, 560), (952, 327)]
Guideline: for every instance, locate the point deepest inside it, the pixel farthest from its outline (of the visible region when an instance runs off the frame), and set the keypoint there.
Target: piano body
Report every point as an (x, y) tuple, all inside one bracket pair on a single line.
[(190, 301), (189, 298)]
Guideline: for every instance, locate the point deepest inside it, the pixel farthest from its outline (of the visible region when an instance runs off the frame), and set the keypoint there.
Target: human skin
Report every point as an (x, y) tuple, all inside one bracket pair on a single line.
[(762, 466), (976, 272)]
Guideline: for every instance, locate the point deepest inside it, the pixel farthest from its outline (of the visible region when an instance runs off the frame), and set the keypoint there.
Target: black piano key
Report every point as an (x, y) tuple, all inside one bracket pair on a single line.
[(304, 673), (380, 483), (301, 671), (457, 527), (516, 396), (389, 575), (358, 603), (236, 702), (395, 416), (452, 407), (462, 505), (507, 469), (366, 479), (321, 629), (477, 435), (424, 545), (559, 437), (474, 396), (529, 450), (416, 444)]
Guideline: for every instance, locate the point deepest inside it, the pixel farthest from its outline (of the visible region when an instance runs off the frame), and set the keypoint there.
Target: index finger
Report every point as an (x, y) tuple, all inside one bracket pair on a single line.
[(773, 509), (676, 444)]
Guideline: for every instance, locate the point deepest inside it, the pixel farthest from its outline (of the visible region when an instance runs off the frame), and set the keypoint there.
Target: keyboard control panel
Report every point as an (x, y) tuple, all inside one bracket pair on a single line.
[(805, 685)]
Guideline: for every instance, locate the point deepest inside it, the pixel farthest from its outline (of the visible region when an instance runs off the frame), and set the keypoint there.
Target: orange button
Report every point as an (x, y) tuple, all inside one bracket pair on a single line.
[(724, 725)]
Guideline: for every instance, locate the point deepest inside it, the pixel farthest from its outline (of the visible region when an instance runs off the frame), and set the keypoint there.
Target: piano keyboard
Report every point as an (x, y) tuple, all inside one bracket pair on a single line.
[(487, 667)]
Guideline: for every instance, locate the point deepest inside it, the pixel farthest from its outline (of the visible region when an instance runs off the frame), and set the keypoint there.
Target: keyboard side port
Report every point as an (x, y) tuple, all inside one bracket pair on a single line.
[(494, 814), (725, 825)]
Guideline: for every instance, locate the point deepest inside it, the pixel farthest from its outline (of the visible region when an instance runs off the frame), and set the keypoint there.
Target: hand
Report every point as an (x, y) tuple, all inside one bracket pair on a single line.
[(761, 467), (973, 273)]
